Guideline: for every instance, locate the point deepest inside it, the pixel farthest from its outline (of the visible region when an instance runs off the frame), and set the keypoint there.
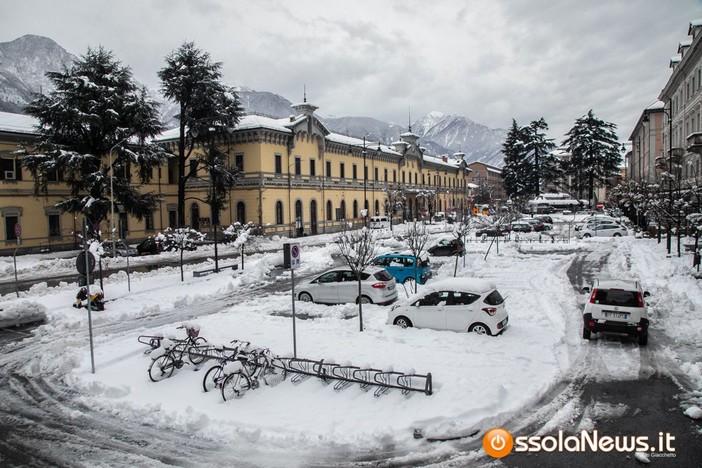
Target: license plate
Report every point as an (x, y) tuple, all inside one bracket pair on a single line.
[(615, 315), (391, 286)]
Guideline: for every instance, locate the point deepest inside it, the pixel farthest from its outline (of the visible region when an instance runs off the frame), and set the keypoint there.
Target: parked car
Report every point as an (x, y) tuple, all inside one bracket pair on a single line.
[(339, 286), (439, 216), (379, 222), (520, 226), (616, 306), (490, 231), (602, 230), (149, 246), (536, 225), (405, 267), (457, 304), (447, 247), (120, 249), (546, 219)]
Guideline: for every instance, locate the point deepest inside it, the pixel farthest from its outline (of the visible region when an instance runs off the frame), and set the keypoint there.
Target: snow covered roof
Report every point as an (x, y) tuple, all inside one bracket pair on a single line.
[(17, 123), (656, 105), (452, 163)]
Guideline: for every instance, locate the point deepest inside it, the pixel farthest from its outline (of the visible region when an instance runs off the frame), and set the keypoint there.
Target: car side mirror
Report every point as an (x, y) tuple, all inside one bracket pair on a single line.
[(586, 289)]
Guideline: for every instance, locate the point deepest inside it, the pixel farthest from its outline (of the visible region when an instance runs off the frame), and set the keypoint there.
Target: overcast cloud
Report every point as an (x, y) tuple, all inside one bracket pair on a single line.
[(491, 60)]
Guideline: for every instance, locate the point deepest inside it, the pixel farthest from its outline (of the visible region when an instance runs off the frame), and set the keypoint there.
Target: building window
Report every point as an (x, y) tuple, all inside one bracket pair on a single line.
[(10, 222), (172, 219), (342, 171), (10, 169), (54, 225), (354, 172), (239, 161), (279, 212), (278, 164), (241, 212), (355, 209), (375, 175), (341, 214), (329, 173), (298, 166), (329, 210), (149, 221), (365, 172), (193, 168), (385, 175), (313, 168), (403, 177), (394, 176)]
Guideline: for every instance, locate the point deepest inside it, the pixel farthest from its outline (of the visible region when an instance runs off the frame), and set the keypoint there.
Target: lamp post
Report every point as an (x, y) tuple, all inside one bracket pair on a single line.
[(365, 183)]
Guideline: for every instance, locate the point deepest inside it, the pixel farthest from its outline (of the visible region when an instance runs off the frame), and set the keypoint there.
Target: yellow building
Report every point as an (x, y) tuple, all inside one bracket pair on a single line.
[(297, 178)]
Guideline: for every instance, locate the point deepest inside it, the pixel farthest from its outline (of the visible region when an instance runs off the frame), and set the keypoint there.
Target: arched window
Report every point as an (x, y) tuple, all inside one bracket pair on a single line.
[(330, 210), (241, 212), (279, 212), (342, 210), (195, 216), (355, 209)]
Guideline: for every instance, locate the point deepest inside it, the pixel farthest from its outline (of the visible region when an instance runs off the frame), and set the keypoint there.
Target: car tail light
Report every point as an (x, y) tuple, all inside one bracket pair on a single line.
[(592, 296), (381, 285), (591, 323), (490, 310), (639, 297)]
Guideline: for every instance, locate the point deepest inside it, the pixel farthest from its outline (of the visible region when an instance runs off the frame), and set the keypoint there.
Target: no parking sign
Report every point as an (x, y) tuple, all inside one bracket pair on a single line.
[(291, 255)]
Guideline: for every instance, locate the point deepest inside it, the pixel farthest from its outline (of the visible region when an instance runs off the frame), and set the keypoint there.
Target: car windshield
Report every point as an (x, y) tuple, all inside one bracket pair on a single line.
[(617, 297), (494, 298)]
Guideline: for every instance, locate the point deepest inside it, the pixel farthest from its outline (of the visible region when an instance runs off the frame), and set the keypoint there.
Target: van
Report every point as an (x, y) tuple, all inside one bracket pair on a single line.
[(379, 222)]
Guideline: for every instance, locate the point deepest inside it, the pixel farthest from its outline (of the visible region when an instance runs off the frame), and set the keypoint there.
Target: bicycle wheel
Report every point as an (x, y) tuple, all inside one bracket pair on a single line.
[(197, 353), (161, 368), (275, 373), (213, 378), (278, 367), (235, 386)]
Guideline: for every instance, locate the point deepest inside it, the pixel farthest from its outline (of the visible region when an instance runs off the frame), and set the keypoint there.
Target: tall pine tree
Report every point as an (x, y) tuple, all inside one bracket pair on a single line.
[(518, 169), (208, 111), (594, 149), (96, 110), (540, 150)]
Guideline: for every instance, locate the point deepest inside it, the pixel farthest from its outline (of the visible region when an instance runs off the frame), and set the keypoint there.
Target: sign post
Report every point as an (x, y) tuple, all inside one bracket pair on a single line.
[(18, 233), (291, 259)]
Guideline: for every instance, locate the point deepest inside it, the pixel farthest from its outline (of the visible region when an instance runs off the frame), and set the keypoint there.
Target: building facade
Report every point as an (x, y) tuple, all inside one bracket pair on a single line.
[(646, 145), (682, 98), (484, 173), (296, 178)]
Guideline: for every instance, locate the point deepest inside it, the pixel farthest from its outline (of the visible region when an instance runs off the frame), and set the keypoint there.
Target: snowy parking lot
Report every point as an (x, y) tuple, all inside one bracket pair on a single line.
[(479, 382)]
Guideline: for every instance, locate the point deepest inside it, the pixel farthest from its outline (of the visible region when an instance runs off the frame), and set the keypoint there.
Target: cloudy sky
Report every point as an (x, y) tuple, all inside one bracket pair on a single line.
[(490, 60)]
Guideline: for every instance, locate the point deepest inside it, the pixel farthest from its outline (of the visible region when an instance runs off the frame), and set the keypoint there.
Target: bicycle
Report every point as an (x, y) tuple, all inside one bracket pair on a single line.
[(216, 374), (163, 365), (265, 367)]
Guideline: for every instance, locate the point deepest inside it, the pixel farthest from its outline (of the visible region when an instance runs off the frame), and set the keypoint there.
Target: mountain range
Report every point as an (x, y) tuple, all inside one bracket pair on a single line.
[(24, 62)]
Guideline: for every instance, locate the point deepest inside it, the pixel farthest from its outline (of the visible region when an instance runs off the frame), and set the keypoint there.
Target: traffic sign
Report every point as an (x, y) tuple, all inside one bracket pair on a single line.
[(81, 263), (294, 255)]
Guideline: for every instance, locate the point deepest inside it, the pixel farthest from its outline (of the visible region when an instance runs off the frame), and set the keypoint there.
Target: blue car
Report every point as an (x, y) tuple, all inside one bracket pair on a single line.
[(402, 267)]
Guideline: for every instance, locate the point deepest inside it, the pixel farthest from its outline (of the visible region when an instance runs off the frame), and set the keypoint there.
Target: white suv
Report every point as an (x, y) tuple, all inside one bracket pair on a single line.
[(616, 306)]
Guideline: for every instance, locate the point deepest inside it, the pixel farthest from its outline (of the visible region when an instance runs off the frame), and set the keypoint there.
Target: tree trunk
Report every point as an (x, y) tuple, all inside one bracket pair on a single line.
[(360, 306)]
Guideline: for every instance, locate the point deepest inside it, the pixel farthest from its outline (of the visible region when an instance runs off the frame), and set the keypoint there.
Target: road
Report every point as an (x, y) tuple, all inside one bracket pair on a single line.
[(44, 422)]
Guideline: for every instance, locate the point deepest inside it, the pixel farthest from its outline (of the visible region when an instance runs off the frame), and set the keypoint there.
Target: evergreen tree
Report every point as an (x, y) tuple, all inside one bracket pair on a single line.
[(518, 169), (209, 110), (540, 150), (594, 149), (96, 110)]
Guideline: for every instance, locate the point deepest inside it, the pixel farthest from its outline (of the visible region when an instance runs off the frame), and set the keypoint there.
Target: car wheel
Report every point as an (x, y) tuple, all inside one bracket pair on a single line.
[(480, 329), (305, 297), (643, 340), (586, 333), (616, 234), (586, 235), (365, 300), (402, 322)]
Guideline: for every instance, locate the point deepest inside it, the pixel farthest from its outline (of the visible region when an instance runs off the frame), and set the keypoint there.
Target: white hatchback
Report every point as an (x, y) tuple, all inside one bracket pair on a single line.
[(602, 229), (457, 304), (339, 286)]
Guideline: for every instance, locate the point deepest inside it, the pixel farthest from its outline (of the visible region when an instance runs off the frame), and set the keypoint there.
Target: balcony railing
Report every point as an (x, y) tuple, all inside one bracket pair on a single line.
[(694, 142)]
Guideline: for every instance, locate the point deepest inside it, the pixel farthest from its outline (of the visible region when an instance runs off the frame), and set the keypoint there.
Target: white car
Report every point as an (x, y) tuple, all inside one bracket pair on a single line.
[(616, 306), (457, 304), (339, 286), (602, 229)]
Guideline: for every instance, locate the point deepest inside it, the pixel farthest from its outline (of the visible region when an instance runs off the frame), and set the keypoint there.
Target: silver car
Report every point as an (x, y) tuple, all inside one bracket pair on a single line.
[(120, 249), (340, 286)]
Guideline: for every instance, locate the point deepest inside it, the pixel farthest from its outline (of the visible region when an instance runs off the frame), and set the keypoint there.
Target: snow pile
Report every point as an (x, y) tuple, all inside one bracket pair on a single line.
[(20, 313)]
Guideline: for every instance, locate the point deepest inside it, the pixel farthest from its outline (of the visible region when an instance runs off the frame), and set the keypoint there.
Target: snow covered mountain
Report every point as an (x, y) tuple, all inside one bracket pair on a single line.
[(24, 62)]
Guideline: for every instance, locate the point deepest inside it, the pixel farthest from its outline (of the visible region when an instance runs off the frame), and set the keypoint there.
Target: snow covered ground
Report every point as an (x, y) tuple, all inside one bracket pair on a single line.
[(479, 381)]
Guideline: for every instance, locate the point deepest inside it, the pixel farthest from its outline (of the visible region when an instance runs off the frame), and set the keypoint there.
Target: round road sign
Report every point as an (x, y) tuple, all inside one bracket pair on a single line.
[(80, 262), (295, 252)]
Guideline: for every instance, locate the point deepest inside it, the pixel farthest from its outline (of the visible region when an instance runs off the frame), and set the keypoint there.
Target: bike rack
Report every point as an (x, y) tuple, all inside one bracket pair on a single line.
[(153, 341), (345, 375)]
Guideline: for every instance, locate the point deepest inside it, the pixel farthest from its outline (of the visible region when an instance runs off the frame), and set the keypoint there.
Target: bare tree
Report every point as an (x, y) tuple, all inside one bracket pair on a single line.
[(395, 201), (242, 235), (180, 239), (460, 230), (417, 238), (358, 249)]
